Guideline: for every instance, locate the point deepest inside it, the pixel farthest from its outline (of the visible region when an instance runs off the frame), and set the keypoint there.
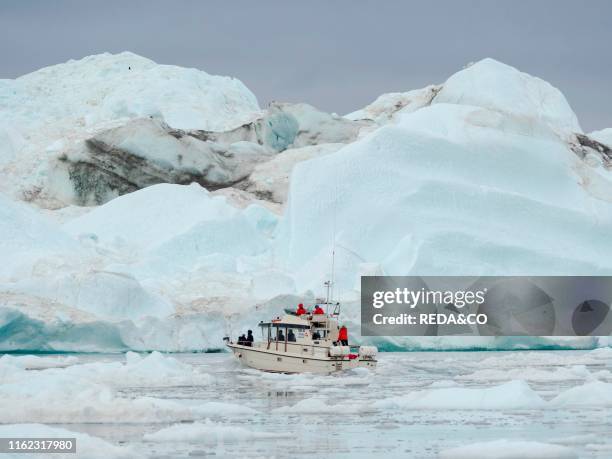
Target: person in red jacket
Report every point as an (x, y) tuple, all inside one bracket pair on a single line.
[(300, 310), (343, 336), (318, 310)]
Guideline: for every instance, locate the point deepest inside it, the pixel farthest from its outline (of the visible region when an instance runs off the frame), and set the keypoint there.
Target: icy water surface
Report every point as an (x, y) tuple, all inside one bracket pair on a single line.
[(414, 405)]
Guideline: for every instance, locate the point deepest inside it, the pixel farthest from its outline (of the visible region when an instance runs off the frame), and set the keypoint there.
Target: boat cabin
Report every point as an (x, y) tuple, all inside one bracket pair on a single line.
[(299, 334)]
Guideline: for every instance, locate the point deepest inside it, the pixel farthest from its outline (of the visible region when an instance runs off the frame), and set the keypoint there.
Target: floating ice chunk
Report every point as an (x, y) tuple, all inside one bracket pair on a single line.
[(511, 395), (595, 393), (151, 370), (509, 449), (316, 405), (579, 372), (87, 446), (33, 362), (222, 409), (207, 432), (604, 353), (86, 392)]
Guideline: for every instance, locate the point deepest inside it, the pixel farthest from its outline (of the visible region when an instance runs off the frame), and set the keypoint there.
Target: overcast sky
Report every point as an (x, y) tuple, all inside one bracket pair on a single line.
[(337, 55)]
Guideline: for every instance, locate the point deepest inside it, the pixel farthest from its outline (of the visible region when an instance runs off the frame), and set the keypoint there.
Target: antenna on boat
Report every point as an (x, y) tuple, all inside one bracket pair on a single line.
[(330, 283)]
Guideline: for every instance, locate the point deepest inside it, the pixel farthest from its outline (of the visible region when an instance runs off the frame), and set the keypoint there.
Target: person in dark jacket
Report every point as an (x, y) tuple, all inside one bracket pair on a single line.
[(242, 340), (281, 336), (291, 335), (249, 338)]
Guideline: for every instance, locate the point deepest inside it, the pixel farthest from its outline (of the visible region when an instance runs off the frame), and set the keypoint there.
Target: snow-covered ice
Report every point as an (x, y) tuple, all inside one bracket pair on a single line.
[(499, 87), (503, 449), (207, 432), (88, 447), (511, 395), (111, 86), (89, 392), (421, 190), (147, 218), (481, 175), (604, 136)]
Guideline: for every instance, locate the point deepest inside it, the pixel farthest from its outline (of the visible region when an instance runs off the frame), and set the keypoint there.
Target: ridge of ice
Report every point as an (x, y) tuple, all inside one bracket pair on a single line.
[(604, 136), (147, 218), (411, 198), (496, 86), (108, 86)]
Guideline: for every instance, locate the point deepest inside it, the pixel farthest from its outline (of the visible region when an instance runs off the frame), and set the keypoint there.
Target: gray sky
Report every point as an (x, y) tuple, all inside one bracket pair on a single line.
[(335, 54)]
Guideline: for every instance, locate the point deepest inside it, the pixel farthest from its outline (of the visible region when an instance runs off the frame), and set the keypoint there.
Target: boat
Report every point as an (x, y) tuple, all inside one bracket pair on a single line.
[(307, 343)]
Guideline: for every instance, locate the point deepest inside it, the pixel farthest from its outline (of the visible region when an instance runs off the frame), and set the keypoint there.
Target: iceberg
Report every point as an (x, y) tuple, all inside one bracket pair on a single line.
[(604, 136), (488, 173), (112, 86), (449, 189), (499, 87), (595, 393), (149, 217)]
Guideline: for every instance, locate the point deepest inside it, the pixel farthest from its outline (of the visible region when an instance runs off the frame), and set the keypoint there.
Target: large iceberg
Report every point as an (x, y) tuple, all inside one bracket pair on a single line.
[(110, 86), (488, 173), (496, 86), (453, 189), (47, 112)]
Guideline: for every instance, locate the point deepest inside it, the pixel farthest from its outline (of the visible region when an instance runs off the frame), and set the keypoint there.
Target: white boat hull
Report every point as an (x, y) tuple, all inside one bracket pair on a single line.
[(279, 361)]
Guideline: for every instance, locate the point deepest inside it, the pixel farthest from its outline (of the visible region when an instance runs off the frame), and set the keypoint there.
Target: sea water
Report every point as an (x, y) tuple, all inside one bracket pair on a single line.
[(415, 404)]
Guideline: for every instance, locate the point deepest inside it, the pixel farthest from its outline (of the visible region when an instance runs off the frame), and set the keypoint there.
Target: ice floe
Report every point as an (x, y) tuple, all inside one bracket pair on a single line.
[(509, 449), (87, 446)]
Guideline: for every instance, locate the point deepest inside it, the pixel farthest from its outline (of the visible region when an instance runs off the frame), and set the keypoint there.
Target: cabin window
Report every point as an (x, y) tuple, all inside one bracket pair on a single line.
[(290, 335), (318, 333), (280, 334)]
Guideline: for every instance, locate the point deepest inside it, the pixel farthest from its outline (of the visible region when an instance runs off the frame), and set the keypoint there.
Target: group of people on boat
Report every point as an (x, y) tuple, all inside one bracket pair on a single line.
[(290, 335), (342, 332), (246, 340), (301, 310)]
